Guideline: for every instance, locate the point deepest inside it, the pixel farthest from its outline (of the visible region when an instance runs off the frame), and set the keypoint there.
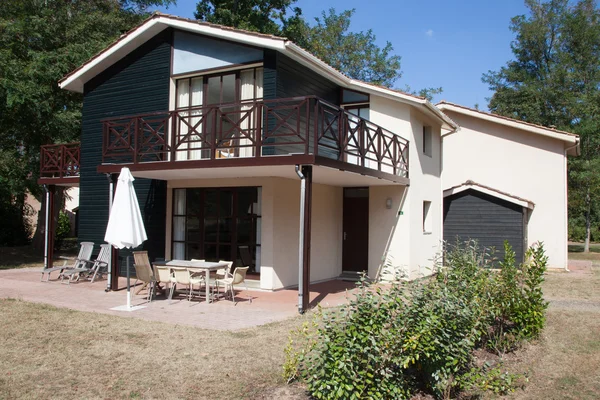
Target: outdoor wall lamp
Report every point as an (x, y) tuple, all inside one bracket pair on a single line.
[(388, 203)]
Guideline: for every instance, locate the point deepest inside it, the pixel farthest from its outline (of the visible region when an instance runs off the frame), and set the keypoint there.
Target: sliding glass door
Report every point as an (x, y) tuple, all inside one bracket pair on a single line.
[(218, 224)]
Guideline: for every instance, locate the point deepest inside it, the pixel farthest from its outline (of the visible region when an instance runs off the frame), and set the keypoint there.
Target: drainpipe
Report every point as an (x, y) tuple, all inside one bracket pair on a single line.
[(567, 203), (110, 201), (46, 231), (301, 246)]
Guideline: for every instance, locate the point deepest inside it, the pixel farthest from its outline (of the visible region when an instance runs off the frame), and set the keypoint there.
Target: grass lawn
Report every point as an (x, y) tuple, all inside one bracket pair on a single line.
[(59, 353)]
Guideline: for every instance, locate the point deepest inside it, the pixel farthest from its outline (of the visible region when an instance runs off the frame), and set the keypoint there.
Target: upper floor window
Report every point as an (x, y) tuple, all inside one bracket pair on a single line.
[(218, 108), (220, 89), (427, 141)]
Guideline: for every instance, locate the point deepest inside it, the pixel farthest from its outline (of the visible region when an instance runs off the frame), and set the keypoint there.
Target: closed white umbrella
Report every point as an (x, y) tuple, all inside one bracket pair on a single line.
[(125, 224)]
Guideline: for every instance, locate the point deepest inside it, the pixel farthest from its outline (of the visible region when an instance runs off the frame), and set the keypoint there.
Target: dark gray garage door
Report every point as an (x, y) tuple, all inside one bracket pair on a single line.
[(474, 215)]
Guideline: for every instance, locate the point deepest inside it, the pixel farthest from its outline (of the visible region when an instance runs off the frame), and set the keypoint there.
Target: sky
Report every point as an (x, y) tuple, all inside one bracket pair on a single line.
[(442, 43)]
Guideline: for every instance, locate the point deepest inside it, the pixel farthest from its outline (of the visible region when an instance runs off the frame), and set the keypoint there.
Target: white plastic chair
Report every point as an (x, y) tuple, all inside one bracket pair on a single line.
[(238, 277), (182, 276)]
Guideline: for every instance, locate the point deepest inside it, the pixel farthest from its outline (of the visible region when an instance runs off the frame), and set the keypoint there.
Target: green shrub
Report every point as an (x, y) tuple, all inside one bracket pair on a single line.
[(63, 228), (421, 336)]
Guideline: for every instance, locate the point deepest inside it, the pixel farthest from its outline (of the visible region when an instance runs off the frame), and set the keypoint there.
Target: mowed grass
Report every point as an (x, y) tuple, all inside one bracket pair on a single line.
[(58, 353), (565, 362), (48, 352)]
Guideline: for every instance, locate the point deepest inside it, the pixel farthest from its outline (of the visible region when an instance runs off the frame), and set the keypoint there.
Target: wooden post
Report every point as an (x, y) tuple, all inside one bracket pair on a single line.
[(307, 171)]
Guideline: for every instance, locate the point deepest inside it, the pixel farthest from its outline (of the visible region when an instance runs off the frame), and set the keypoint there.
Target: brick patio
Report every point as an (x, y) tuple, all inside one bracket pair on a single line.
[(266, 307)]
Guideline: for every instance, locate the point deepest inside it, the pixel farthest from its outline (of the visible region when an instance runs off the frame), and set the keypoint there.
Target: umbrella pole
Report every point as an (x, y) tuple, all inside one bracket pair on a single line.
[(128, 288)]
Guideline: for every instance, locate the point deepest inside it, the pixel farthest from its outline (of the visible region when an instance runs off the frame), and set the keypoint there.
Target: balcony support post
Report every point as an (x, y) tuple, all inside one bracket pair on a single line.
[(305, 175), (49, 228)]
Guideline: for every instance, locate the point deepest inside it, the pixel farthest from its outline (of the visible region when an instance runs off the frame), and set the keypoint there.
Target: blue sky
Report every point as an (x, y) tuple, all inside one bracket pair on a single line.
[(442, 43)]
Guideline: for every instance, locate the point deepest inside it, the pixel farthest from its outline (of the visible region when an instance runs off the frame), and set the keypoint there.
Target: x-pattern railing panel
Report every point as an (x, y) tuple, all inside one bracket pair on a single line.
[(303, 125), (60, 160)]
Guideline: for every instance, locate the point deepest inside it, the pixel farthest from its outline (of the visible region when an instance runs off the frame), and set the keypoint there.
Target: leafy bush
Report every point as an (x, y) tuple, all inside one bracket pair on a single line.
[(63, 228), (421, 336)]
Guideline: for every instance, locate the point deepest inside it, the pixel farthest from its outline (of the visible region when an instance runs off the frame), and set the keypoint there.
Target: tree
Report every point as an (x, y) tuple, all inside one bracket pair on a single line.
[(355, 54), (40, 42), (554, 80)]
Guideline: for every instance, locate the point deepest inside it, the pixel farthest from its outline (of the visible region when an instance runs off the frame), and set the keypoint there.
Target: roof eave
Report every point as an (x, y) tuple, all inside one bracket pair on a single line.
[(565, 137)]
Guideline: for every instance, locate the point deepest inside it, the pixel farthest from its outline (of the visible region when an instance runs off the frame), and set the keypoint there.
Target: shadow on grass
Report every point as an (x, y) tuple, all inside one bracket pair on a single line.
[(27, 256), (578, 248)]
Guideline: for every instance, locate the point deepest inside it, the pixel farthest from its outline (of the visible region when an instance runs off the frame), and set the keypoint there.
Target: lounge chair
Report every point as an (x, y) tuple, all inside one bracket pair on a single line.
[(90, 268), (85, 253)]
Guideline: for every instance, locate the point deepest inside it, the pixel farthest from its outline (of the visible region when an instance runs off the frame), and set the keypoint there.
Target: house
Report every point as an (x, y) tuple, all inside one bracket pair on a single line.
[(247, 148), (505, 179)]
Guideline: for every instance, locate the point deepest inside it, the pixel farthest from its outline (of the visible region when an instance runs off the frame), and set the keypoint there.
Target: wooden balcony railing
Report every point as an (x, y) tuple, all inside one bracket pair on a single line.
[(256, 129), (60, 161)]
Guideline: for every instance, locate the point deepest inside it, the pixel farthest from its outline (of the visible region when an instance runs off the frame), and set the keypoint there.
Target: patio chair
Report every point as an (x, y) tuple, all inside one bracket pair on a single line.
[(222, 274), (238, 276), (90, 268), (143, 273), (85, 253), (183, 276), (162, 274)]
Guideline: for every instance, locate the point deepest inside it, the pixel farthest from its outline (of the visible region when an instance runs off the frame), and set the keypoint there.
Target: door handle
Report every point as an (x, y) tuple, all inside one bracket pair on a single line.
[(344, 235)]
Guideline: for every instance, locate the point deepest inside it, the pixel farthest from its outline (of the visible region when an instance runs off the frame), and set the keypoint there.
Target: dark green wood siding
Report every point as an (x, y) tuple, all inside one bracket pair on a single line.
[(294, 79), (487, 219), (138, 83)]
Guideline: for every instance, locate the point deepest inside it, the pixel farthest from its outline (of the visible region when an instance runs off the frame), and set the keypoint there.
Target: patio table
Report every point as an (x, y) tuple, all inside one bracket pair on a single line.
[(205, 266)]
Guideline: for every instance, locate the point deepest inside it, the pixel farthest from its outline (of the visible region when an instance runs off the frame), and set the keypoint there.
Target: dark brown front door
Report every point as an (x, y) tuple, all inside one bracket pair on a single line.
[(355, 255)]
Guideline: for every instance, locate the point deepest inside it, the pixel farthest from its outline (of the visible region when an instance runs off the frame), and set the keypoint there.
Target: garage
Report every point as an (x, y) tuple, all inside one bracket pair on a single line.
[(486, 216)]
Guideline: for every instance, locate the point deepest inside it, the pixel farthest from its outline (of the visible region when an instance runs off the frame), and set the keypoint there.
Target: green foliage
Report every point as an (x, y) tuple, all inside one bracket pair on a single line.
[(265, 16), (63, 228), (328, 37), (421, 336), (554, 80)]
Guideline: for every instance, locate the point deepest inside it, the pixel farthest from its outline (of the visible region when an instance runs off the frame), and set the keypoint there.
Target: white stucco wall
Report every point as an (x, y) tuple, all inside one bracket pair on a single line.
[(280, 227), (409, 247), (514, 161)]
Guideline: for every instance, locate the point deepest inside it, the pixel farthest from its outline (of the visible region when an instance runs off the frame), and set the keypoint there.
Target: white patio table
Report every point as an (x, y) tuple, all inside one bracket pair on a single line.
[(205, 266)]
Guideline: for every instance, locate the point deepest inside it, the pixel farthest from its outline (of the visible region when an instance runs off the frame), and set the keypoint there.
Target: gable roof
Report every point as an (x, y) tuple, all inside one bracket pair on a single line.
[(490, 191), (75, 80), (565, 136)]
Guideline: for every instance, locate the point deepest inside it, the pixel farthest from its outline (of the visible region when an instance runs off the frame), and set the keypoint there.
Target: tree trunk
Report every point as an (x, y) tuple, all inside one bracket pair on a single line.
[(40, 230), (588, 222)]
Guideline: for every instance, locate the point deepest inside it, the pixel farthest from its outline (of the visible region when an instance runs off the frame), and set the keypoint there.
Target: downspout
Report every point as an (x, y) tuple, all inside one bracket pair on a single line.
[(110, 201), (567, 204), (301, 245), (46, 231)]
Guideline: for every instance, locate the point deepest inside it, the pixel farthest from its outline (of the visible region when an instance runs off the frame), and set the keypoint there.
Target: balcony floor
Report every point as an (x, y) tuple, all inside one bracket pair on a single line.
[(321, 174)]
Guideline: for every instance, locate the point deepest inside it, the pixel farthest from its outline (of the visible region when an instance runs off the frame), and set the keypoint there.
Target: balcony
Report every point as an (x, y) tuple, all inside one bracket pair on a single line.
[(59, 164), (300, 130)]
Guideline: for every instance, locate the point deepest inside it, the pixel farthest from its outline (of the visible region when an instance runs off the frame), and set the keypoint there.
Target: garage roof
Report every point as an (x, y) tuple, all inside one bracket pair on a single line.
[(490, 191)]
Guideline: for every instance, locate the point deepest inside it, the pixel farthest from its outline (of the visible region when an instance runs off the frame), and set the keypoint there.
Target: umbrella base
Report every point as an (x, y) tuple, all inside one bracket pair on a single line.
[(127, 308)]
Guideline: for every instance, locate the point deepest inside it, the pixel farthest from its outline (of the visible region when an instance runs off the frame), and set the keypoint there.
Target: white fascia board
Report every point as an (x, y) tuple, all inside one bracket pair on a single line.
[(513, 124), (144, 32), (493, 193)]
